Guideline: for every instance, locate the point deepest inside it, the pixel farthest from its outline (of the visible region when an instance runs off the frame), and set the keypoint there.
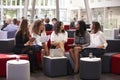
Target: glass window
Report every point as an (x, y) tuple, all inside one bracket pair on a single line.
[(23, 2), (8, 2), (46, 2), (42, 2), (13, 2), (108, 0), (92, 1), (18, 2), (4, 2), (53, 2), (37, 2), (99, 0)]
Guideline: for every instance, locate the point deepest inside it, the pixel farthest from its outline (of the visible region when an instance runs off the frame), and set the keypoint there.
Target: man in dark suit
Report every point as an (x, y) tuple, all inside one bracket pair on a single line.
[(72, 24), (48, 26)]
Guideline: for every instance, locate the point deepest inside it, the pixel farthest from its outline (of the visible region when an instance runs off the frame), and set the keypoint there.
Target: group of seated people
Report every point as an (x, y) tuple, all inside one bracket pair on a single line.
[(28, 42), (85, 42)]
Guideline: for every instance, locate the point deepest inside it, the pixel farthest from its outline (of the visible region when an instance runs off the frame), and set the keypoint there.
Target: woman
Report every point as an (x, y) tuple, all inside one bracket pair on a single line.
[(98, 42), (81, 40), (38, 30), (59, 36), (24, 45)]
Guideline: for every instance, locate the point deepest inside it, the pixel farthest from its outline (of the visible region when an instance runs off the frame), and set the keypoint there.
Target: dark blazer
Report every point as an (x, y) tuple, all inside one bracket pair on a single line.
[(19, 42), (72, 24), (48, 27), (4, 26)]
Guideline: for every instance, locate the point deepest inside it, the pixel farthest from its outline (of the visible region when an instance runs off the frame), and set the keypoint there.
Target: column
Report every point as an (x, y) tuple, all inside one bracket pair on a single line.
[(2, 11), (57, 9), (26, 8), (79, 14), (105, 16), (10, 2), (15, 2), (33, 10), (21, 13), (89, 17), (39, 12)]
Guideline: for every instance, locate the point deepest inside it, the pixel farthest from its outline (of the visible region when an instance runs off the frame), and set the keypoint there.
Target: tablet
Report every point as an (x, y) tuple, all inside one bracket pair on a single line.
[(32, 39)]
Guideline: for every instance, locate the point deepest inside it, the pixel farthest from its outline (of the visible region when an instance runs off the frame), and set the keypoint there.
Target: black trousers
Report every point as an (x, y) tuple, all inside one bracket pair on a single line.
[(97, 52)]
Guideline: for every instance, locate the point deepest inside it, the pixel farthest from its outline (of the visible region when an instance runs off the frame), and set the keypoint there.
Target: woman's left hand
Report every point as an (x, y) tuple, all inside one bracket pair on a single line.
[(100, 46), (31, 43)]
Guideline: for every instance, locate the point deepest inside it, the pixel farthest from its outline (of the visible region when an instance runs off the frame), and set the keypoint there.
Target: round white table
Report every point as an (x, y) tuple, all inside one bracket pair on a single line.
[(90, 68), (18, 70)]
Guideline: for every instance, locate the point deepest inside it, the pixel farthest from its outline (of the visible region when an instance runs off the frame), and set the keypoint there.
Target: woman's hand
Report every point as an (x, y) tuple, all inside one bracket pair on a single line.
[(30, 43), (27, 43), (100, 46)]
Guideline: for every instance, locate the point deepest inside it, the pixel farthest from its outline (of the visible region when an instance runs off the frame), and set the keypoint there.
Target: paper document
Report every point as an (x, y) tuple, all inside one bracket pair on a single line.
[(44, 38)]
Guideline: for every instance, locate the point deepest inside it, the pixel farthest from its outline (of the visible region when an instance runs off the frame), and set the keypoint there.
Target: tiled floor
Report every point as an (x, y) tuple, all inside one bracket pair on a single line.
[(40, 76)]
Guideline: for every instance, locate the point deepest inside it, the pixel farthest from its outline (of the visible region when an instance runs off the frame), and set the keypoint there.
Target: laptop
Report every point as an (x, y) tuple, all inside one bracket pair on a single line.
[(56, 52)]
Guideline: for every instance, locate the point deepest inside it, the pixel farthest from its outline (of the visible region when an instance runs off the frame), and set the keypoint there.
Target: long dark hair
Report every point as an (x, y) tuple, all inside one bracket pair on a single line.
[(24, 28), (57, 26), (82, 28), (95, 27)]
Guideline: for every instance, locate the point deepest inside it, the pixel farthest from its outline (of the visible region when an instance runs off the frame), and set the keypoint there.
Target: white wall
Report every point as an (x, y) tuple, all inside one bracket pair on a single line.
[(111, 3)]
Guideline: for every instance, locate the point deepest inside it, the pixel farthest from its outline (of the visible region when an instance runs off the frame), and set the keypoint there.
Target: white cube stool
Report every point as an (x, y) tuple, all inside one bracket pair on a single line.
[(90, 68), (18, 70)]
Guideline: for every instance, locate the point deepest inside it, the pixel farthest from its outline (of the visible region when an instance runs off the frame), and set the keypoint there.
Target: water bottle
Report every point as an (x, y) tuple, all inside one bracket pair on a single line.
[(90, 55), (17, 58)]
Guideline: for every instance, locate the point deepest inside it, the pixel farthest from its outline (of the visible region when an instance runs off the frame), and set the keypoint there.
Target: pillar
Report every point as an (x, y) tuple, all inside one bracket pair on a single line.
[(26, 8), (33, 10), (89, 16), (57, 10)]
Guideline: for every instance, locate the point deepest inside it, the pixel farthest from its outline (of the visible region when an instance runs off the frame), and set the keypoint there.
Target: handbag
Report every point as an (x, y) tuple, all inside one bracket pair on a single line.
[(56, 52)]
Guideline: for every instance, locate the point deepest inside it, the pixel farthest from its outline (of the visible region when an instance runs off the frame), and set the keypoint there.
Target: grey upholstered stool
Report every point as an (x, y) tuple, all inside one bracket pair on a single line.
[(106, 62), (90, 68), (71, 33), (6, 45), (54, 66)]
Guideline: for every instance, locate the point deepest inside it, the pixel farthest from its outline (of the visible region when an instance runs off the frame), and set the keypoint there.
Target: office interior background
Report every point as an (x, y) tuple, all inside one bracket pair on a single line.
[(107, 12), (104, 11)]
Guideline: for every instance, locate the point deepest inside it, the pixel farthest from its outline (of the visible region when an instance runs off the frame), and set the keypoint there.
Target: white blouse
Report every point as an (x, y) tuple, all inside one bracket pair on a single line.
[(37, 40), (60, 37), (97, 39)]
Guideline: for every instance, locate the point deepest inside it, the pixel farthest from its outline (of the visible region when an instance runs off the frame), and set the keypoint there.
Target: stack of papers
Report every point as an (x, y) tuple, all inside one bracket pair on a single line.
[(44, 38)]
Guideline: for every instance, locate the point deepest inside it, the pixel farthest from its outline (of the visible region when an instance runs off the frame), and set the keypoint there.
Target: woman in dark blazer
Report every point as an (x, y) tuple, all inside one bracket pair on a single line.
[(24, 44)]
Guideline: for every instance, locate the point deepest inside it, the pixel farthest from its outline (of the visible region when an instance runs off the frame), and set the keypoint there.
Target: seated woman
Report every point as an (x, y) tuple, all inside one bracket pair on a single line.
[(98, 42), (38, 30), (24, 44), (59, 36), (81, 40)]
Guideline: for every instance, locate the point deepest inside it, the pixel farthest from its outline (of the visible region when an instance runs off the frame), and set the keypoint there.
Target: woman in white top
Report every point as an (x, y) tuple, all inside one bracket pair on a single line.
[(38, 30), (59, 36), (98, 42)]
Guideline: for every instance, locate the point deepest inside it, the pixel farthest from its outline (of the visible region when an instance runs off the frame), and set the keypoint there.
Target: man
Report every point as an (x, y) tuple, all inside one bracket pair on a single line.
[(11, 28), (48, 26), (72, 24)]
